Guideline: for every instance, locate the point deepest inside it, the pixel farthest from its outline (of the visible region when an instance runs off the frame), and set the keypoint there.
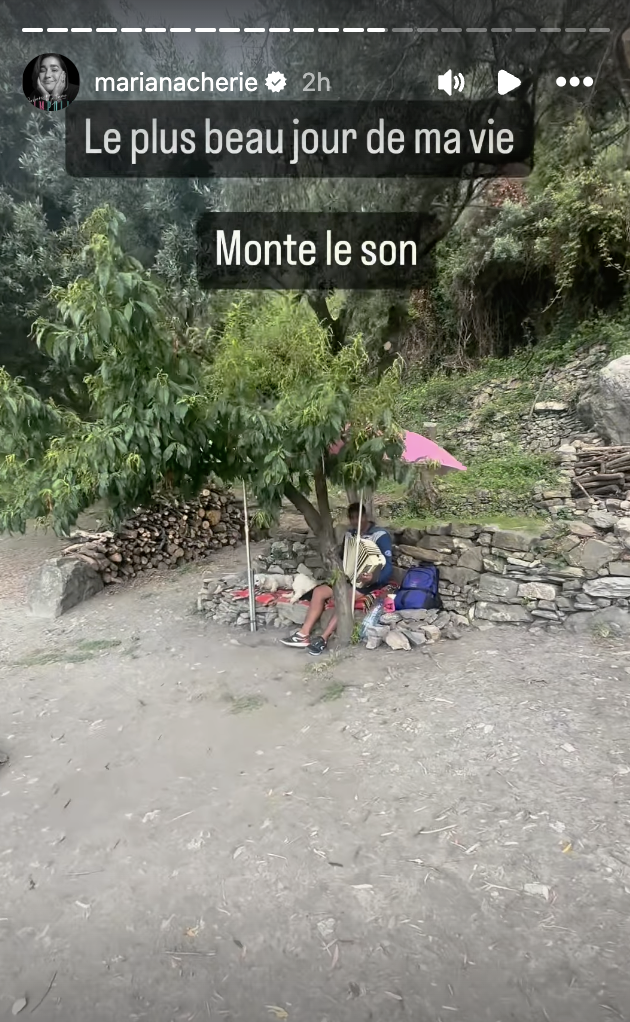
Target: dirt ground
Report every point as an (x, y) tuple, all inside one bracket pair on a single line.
[(198, 825)]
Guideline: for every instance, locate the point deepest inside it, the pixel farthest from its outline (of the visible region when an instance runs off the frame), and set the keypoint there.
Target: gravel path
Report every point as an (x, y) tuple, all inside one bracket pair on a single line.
[(202, 826)]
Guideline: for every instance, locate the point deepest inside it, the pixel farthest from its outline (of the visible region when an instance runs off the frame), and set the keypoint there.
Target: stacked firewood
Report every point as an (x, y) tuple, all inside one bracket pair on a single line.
[(166, 535), (602, 472)]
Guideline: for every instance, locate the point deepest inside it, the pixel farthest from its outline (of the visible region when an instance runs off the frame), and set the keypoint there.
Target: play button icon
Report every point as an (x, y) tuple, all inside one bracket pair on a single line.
[(507, 82)]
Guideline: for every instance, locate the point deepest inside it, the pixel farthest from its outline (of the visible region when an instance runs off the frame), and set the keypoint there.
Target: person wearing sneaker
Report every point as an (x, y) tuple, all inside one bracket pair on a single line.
[(366, 584)]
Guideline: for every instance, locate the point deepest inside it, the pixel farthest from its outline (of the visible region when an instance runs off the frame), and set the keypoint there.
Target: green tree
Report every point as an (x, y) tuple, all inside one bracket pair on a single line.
[(284, 397), (147, 425), (42, 208)]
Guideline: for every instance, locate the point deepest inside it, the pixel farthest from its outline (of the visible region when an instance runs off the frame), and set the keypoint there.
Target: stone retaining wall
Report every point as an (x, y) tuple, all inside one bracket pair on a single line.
[(489, 574)]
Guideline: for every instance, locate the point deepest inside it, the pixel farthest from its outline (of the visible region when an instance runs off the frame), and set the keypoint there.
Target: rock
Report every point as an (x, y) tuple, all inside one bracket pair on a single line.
[(445, 529), (496, 585), (373, 641), (459, 619), (611, 587), (464, 531), (4, 757), (556, 494), (605, 520), (609, 404), (414, 615), (411, 537), (292, 613), (303, 569), (494, 565), (619, 568), (582, 529), (550, 615), (472, 558), (451, 632), (61, 584), (442, 543), (614, 618), (396, 639), (390, 619), (459, 576), (514, 614), (593, 555), (622, 531), (280, 550), (504, 539), (537, 591), (425, 554), (415, 638), (550, 406), (432, 632)]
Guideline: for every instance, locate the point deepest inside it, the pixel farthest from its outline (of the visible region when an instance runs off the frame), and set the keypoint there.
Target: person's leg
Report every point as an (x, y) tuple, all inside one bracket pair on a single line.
[(319, 598), (330, 628), (320, 642)]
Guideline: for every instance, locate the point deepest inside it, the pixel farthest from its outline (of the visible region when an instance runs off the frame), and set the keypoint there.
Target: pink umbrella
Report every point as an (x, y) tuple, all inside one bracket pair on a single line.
[(419, 448)]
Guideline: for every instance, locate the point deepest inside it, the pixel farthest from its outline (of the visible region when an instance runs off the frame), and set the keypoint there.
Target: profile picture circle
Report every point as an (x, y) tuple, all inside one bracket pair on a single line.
[(50, 81)]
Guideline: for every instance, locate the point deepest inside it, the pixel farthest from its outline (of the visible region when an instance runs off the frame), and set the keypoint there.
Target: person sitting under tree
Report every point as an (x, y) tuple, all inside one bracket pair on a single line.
[(366, 584)]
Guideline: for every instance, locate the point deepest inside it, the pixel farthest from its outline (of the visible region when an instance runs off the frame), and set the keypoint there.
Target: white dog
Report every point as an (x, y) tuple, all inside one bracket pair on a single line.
[(301, 584)]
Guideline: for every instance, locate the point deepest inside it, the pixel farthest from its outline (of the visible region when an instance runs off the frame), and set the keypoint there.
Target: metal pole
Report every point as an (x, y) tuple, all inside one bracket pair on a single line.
[(356, 559), (250, 574)]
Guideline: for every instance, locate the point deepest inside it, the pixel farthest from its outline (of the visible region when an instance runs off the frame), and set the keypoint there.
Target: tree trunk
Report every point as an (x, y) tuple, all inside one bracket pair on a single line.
[(320, 521), (422, 490), (329, 548)]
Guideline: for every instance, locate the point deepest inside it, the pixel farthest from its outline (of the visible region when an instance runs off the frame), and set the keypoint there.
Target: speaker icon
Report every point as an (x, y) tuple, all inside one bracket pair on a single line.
[(447, 82)]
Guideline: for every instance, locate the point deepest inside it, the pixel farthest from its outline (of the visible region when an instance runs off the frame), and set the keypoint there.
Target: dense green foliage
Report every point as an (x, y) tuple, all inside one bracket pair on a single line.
[(134, 380), (146, 424), (534, 264)]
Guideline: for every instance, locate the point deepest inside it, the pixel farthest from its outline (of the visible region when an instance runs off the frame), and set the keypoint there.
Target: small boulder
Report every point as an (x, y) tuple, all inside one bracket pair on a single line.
[(413, 615), (432, 632), (622, 531), (292, 613), (396, 639), (611, 587), (451, 632), (504, 539), (581, 529), (613, 618), (373, 641), (609, 406), (415, 638), (513, 614), (537, 591), (593, 555), (605, 520), (495, 585), (61, 584), (472, 558)]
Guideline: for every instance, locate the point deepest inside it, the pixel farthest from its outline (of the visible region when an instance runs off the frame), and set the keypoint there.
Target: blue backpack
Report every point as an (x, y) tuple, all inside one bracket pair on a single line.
[(420, 589)]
